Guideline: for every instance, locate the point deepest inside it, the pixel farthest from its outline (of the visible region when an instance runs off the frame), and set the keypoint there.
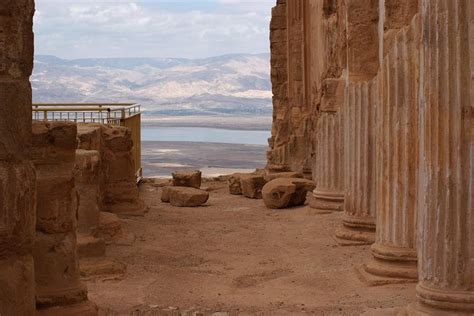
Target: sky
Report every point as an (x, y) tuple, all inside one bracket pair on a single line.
[(151, 28)]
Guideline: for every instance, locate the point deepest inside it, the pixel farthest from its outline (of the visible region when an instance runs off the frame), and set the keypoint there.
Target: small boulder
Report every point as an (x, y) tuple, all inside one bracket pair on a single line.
[(187, 197), (191, 179), (277, 175), (286, 192), (235, 188), (165, 194), (252, 185)]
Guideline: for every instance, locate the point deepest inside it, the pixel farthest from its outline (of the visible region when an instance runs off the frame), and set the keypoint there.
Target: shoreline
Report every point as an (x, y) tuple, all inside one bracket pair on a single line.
[(238, 123)]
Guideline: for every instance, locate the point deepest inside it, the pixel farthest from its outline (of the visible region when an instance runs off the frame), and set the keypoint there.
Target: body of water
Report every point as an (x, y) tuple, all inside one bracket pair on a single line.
[(204, 134)]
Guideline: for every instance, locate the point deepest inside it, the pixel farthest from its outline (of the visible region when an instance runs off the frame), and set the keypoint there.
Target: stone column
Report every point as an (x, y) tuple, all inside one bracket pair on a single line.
[(300, 113), (328, 173), (87, 179), (394, 251), (446, 196), (17, 176), (359, 121), (56, 264), (278, 158), (359, 158), (120, 191)]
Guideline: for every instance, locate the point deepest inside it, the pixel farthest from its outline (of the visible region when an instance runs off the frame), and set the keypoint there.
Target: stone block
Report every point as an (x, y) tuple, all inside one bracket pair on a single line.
[(187, 197), (286, 192), (89, 136), (54, 143), (57, 203), (191, 179), (252, 186)]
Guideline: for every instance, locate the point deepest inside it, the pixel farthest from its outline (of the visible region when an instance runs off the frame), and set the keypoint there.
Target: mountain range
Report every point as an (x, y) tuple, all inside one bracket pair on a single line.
[(230, 85)]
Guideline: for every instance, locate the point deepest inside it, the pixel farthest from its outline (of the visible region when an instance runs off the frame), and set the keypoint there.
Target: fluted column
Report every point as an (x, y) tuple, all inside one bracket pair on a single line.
[(359, 121), (17, 175), (394, 252), (446, 210), (328, 173), (359, 160)]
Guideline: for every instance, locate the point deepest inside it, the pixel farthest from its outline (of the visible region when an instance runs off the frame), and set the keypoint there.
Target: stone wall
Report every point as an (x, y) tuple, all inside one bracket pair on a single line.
[(17, 175)]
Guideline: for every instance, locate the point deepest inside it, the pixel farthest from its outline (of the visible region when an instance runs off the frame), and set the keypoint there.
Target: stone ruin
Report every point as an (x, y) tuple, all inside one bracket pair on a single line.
[(375, 98), (372, 100)]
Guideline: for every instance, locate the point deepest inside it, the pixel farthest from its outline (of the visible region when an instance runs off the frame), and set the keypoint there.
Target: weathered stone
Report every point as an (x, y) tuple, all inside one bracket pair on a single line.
[(286, 192), (120, 192), (110, 226), (191, 179), (165, 194), (252, 186), (277, 175), (87, 179), (55, 251), (17, 176), (187, 197), (89, 136), (90, 246), (235, 187)]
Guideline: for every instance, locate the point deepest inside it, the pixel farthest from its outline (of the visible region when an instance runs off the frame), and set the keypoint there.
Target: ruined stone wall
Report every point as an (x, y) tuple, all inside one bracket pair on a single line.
[(17, 176)]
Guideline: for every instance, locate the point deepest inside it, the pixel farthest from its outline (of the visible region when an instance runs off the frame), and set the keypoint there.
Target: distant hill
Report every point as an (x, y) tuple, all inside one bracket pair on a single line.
[(225, 85)]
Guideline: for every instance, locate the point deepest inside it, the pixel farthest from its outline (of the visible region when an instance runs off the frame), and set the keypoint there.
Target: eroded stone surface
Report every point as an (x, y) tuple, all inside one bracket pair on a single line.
[(191, 179), (187, 197), (286, 192), (252, 185)]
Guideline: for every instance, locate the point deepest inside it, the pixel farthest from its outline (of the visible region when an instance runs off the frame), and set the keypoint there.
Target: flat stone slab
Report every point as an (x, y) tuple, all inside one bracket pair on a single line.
[(286, 192), (184, 196), (191, 179)]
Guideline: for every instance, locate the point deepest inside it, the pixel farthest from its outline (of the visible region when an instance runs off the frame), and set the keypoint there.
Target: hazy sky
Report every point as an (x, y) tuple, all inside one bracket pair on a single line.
[(151, 28)]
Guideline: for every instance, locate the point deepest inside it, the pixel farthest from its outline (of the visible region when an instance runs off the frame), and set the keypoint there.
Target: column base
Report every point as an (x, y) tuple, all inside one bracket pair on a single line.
[(356, 231), (76, 293), (418, 309), (433, 301), (390, 265), (326, 201), (86, 308)]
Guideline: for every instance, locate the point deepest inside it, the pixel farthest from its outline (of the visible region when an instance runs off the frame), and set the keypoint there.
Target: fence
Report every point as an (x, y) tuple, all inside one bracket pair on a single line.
[(119, 114)]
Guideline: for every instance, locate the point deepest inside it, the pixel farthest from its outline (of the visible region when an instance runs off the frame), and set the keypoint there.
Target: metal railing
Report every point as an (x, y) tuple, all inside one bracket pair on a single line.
[(118, 114)]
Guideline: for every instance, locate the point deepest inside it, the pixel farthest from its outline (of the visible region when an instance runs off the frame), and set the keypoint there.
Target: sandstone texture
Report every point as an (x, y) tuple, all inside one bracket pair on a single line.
[(191, 179), (252, 185), (235, 187), (184, 196), (381, 93), (55, 250), (286, 192), (277, 175)]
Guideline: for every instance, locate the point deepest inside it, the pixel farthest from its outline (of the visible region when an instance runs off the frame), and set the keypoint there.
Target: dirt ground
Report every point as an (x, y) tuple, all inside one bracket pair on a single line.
[(235, 256)]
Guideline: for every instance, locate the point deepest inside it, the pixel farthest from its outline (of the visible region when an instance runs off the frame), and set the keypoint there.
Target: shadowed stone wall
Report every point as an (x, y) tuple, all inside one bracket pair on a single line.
[(17, 176)]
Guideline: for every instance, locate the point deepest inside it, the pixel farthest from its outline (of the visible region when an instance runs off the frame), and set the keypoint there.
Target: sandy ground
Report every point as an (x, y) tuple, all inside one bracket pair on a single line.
[(235, 256)]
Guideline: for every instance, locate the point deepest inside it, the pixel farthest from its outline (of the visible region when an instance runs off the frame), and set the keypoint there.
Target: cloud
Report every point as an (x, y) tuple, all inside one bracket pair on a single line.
[(146, 28)]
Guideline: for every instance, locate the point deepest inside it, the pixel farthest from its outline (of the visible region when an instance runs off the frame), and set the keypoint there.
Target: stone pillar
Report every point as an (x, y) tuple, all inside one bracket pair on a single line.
[(328, 173), (120, 191), (359, 121), (300, 110), (87, 178), (278, 159), (359, 160), (394, 252), (17, 175), (56, 264), (446, 205)]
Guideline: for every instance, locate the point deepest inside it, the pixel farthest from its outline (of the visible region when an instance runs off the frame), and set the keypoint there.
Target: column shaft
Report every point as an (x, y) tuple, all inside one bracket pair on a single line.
[(446, 210)]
